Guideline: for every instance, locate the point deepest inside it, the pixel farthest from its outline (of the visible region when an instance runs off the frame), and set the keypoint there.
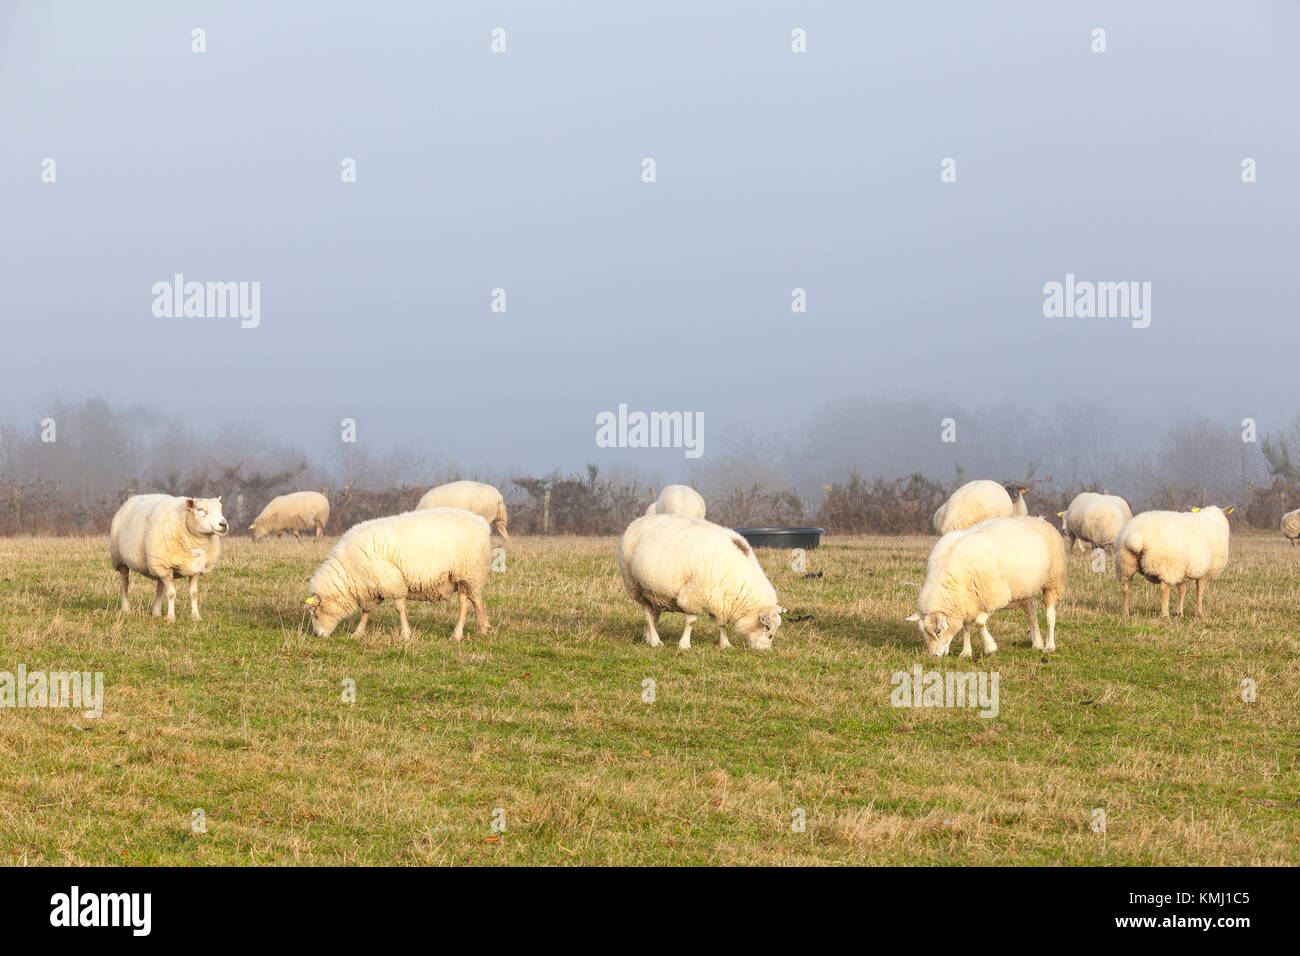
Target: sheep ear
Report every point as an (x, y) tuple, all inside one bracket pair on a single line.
[(1230, 510), (189, 503), (313, 601), (913, 617), (941, 625), (1060, 514), (780, 609), (1194, 510)]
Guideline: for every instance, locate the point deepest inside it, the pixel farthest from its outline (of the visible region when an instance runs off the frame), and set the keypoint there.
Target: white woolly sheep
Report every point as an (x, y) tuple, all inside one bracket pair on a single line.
[(975, 572), (678, 500), (1171, 548), (299, 511), (1291, 525), (164, 538), (675, 563), (1094, 519), (475, 496), (1019, 508), (972, 503), (425, 555)]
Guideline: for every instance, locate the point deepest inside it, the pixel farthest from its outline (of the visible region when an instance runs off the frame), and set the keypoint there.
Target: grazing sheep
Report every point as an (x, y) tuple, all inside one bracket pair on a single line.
[(165, 537), (1291, 525), (1094, 519), (422, 555), (1171, 548), (473, 496), (679, 563), (299, 511), (678, 500), (986, 567), (972, 503)]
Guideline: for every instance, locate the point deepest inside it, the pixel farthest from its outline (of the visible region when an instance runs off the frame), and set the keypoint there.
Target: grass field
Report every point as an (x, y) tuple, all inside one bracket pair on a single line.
[(242, 716)]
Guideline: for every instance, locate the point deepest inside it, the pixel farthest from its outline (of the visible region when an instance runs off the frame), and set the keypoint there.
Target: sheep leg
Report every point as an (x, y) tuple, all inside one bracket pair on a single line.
[(361, 625), (170, 584), (1051, 628), (1164, 599), (158, 598), (723, 643), (1035, 635), (651, 619), (480, 612), (685, 642), (320, 530), (1127, 581), (194, 597), (965, 641), (990, 645), (401, 617), (1201, 587), (1182, 589), (125, 572)]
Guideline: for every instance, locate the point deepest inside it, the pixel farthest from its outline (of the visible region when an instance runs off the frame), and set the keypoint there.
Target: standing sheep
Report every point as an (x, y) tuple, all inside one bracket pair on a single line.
[(1291, 525), (677, 563), (980, 570), (299, 511), (1172, 548), (164, 537), (473, 496), (1094, 519), (678, 500), (1018, 506), (972, 503), (422, 555)]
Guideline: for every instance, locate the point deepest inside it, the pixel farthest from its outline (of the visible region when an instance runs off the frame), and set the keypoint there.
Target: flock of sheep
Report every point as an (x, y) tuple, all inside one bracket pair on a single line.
[(990, 555)]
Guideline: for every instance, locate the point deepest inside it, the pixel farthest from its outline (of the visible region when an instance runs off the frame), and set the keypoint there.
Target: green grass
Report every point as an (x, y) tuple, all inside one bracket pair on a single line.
[(242, 715)]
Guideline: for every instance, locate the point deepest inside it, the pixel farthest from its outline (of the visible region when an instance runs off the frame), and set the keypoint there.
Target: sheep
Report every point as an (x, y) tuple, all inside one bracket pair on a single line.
[(1172, 548), (677, 563), (1019, 508), (473, 496), (164, 537), (678, 500), (1291, 525), (299, 511), (982, 569), (424, 555), (1094, 519), (972, 503)]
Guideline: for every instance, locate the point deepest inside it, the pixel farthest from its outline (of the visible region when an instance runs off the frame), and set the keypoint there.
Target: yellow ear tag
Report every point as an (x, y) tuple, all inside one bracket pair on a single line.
[(1194, 510), (312, 601)]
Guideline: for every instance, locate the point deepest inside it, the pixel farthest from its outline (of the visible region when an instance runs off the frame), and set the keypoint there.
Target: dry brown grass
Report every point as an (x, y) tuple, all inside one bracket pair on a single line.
[(241, 715)]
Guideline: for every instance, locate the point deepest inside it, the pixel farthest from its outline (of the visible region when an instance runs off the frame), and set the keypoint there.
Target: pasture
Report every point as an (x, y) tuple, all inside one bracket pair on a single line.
[(243, 717)]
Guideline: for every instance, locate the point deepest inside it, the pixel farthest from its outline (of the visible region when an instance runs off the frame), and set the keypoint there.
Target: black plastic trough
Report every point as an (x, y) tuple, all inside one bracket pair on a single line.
[(782, 537)]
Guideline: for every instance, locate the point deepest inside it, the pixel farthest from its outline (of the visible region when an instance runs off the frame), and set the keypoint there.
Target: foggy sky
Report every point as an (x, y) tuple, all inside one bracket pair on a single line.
[(522, 170)]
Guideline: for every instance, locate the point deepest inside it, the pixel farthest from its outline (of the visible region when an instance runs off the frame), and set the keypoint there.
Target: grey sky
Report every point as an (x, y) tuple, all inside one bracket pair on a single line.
[(775, 170)]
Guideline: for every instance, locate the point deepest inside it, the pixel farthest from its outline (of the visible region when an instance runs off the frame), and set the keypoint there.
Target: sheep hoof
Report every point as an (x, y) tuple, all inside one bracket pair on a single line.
[(684, 643), (654, 642)]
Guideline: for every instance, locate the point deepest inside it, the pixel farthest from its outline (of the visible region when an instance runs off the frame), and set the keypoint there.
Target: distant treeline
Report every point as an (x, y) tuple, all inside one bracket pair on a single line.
[(592, 505), (68, 471)]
